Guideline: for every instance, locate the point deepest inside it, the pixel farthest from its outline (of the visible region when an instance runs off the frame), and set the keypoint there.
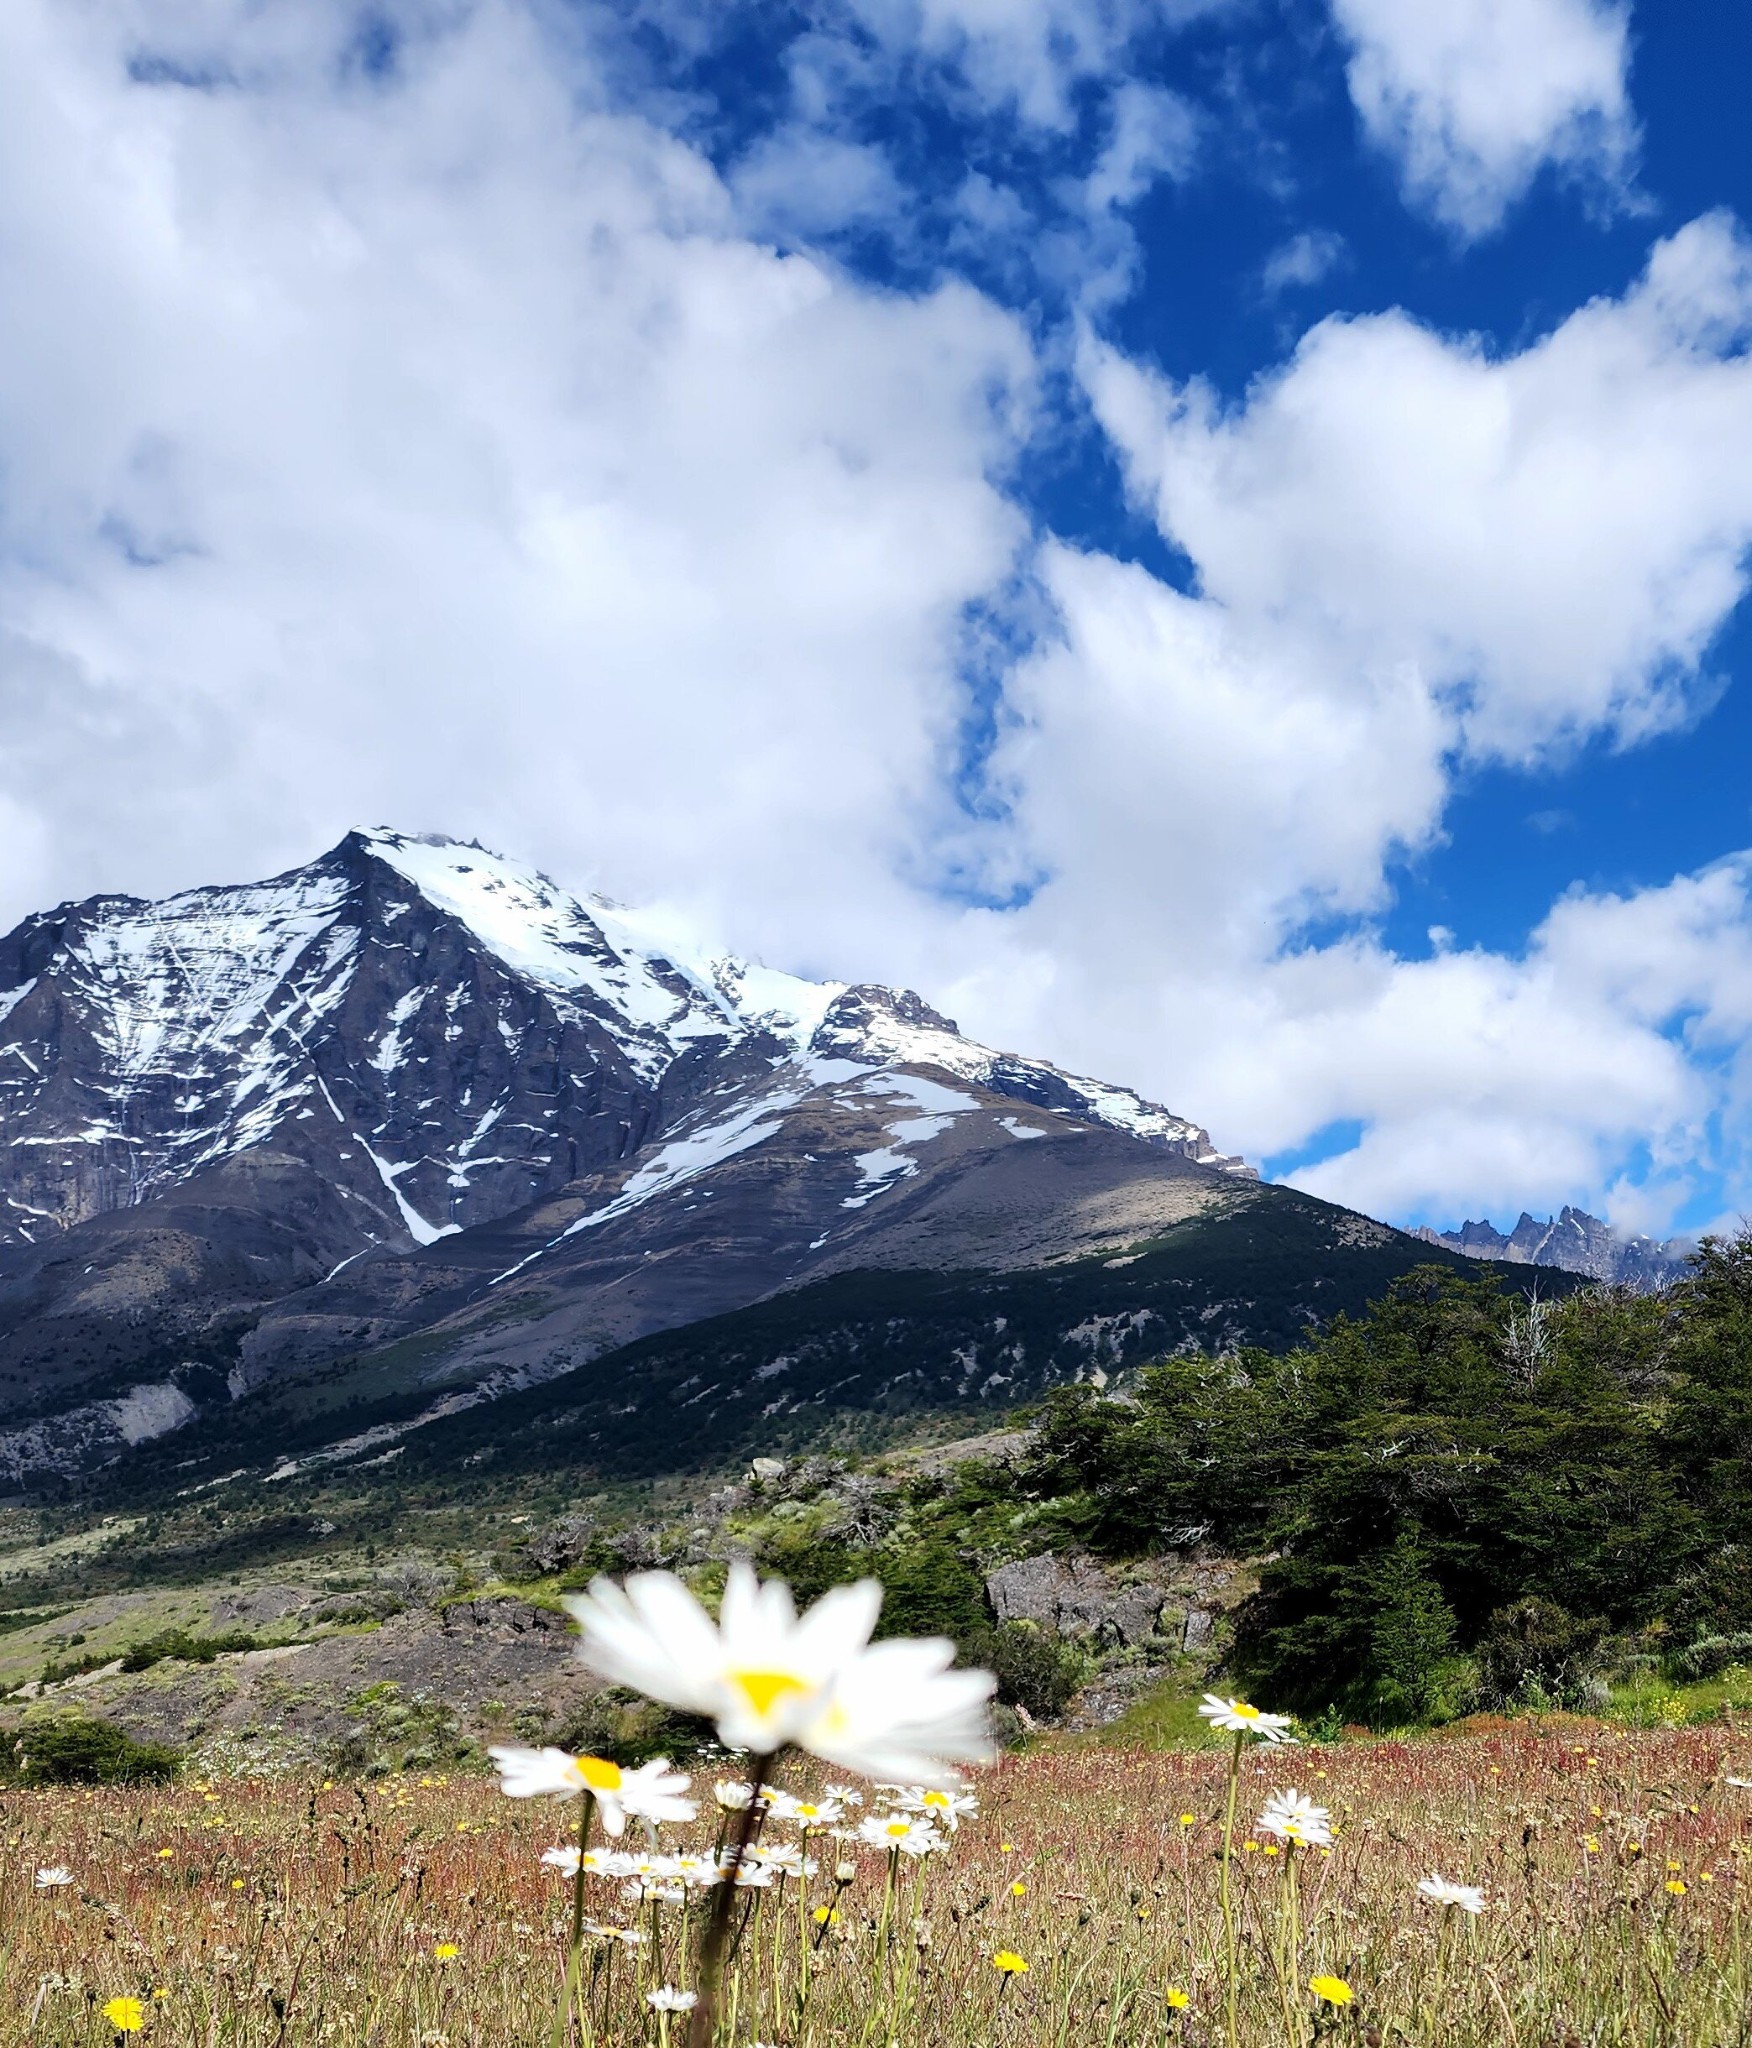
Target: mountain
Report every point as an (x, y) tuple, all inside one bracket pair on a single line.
[(410, 1129), (1573, 1242)]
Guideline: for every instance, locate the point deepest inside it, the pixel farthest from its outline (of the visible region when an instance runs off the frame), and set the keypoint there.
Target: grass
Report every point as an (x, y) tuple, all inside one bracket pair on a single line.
[(244, 1911)]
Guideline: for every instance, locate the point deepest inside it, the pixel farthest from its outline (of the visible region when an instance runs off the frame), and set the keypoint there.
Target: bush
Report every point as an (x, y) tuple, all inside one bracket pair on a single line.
[(187, 1649), (629, 1730), (1036, 1670), (1534, 1652), (76, 1749), (1710, 1656)]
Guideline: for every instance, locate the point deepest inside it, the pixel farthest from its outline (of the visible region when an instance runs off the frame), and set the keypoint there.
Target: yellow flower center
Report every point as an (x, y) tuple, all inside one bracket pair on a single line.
[(1243, 1710), (899, 1828), (763, 1688), (598, 1773), (935, 1799)]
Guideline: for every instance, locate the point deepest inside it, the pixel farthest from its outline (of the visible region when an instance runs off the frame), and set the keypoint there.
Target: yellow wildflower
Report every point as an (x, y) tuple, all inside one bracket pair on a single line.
[(1177, 1999), (446, 1951), (1188, 1820), (826, 1916), (1008, 1963), (126, 2015), (1331, 1990), (1677, 1886), (1018, 1889)]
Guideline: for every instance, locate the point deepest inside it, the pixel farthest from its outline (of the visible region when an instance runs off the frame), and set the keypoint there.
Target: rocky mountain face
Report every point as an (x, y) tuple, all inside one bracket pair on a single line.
[(1574, 1242), (412, 1128)]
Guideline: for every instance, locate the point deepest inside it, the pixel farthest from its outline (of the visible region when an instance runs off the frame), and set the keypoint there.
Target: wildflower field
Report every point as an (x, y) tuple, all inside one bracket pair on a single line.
[(1079, 1903)]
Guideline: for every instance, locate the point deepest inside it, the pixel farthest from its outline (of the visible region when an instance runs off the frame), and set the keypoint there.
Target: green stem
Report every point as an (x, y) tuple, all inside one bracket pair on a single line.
[(1292, 1946), (699, 2033), (563, 2014), (1228, 1904)]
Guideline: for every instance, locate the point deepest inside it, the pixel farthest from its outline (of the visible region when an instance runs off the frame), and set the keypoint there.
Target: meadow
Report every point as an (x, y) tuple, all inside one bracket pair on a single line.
[(415, 1911)]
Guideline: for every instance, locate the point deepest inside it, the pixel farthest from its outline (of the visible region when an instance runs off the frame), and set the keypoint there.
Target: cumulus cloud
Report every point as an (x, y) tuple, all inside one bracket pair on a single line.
[(1472, 98), (1408, 549), (1551, 537), (1301, 261), (1028, 55)]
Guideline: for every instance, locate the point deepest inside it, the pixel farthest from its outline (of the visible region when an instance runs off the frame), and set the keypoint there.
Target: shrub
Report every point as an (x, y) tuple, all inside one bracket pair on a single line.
[(1035, 1669), (77, 1749), (1533, 1651), (1710, 1656), (178, 1643)]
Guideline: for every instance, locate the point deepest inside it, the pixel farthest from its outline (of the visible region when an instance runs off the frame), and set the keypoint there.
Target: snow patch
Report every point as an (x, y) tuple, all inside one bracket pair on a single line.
[(422, 1232)]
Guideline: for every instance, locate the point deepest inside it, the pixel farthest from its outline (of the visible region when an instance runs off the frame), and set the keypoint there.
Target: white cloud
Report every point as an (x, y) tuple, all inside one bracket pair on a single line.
[(1029, 55), (1301, 261), (1550, 537), (1407, 549), (1473, 97)]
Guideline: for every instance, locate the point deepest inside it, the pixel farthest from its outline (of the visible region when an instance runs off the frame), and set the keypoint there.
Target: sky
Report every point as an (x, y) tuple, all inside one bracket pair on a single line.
[(1208, 536)]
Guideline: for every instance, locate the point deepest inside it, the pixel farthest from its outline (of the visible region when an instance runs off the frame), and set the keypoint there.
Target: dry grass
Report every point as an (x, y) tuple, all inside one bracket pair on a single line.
[(259, 1912)]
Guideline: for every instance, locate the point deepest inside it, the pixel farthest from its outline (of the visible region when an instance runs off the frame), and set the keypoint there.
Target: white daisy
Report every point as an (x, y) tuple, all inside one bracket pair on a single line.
[(1236, 1717), (648, 1893), (667, 1999), (911, 1836), (769, 1679), (946, 1807), (759, 1672), (732, 1795), (698, 1871), (1468, 1897), (53, 1875), (899, 1711), (596, 1862), (648, 1793), (1293, 1817), (628, 1937), (807, 1813)]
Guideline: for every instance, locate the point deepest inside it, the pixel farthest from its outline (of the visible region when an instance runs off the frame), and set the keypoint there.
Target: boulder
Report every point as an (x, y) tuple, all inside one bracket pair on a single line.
[(1077, 1597)]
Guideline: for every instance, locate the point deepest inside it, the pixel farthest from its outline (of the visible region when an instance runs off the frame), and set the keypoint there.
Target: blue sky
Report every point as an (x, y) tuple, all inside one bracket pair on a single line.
[(1207, 535)]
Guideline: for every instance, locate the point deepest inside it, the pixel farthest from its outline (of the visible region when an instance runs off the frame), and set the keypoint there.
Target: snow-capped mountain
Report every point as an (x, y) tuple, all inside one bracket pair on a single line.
[(443, 1031), (1573, 1242), (414, 1087)]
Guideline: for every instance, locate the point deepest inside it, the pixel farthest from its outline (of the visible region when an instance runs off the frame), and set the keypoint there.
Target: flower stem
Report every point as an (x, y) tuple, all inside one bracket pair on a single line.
[(699, 2033), (1228, 1904), (575, 1949)]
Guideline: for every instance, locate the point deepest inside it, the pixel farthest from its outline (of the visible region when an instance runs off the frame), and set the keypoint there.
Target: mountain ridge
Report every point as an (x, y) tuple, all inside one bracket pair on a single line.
[(1572, 1242)]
